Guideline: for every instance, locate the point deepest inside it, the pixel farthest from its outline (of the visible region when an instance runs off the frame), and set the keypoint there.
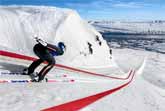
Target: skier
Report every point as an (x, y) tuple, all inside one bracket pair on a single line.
[(45, 52)]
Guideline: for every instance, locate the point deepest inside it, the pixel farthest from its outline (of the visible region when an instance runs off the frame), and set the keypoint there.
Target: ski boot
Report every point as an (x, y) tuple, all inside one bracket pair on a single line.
[(42, 78), (34, 77)]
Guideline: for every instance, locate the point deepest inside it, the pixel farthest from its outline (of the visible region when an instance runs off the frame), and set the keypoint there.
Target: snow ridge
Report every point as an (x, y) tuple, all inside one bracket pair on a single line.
[(19, 24)]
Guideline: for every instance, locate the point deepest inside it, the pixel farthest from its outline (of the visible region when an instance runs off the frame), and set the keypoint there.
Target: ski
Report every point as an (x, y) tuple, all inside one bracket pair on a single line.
[(17, 77), (30, 81), (21, 73)]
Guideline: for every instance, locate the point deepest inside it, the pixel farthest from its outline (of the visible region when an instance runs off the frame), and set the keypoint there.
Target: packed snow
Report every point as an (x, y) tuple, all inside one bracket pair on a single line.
[(140, 27), (18, 26)]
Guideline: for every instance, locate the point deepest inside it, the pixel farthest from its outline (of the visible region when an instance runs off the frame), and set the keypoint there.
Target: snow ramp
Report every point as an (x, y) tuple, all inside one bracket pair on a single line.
[(74, 104)]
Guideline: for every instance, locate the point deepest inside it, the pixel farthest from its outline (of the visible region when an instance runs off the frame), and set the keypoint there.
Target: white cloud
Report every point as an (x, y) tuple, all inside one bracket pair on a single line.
[(131, 5)]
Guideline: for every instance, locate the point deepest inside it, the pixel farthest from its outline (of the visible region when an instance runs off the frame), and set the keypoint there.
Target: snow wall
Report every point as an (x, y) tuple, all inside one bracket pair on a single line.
[(84, 45)]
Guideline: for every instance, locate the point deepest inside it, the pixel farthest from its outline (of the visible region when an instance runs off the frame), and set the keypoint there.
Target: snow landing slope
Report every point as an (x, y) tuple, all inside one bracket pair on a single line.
[(19, 24)]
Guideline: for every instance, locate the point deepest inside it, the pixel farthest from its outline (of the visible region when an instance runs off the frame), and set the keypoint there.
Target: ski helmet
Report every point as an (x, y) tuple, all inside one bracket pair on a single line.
[(61, 45)]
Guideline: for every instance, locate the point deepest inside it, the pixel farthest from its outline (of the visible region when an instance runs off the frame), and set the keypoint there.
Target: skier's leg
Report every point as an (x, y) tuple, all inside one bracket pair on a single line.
[(44, 71), (34, 65), (38, 49), (51, 62)]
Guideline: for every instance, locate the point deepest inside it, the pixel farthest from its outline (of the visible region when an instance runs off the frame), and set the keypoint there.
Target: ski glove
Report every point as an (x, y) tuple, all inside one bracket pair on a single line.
[(41, 41)]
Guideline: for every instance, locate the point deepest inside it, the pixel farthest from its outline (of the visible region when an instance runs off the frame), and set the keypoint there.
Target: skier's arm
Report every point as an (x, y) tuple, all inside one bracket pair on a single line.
[(49, 46), (55, 48)]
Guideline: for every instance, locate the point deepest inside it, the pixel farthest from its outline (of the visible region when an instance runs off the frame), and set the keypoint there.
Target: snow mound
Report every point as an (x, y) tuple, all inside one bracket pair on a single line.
[(19, 24)]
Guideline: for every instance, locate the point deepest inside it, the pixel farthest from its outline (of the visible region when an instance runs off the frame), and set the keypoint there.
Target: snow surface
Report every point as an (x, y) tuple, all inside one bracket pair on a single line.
[(146, 27), (20, 24), (146, 93)]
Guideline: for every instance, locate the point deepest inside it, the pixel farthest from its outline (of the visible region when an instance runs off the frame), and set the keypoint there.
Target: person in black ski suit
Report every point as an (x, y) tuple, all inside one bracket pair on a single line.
[(45, 52)]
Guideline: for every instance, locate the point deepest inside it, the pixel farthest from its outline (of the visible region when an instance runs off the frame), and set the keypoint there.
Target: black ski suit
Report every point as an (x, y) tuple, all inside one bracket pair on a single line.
[(45, 53)]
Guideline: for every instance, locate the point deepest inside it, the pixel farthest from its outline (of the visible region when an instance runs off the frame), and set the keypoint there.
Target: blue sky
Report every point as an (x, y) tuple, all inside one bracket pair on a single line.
[(105, 9)]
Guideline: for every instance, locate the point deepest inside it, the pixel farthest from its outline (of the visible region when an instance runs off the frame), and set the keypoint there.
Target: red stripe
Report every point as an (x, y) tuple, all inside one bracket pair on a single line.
[(23, 57), (81, 103), (14, 55), (91, 73)]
